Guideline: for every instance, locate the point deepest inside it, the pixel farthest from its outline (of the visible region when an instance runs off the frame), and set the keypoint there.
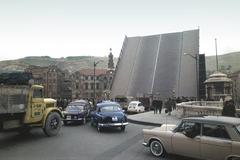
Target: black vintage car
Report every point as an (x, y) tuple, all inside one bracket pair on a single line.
[(77, 111), (108, 114)]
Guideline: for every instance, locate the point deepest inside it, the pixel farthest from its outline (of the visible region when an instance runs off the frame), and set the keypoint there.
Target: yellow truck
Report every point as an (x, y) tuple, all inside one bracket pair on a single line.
[(23, 107)]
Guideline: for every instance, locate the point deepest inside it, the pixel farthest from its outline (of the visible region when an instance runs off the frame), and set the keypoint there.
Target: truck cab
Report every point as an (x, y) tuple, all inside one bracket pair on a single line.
[(24, 106)]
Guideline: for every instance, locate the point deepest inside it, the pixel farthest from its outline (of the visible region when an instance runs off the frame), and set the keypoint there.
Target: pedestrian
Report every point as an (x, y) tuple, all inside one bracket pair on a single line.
[(154, 104), (159, 106), (229, 109), (168, 106), (173, 103)]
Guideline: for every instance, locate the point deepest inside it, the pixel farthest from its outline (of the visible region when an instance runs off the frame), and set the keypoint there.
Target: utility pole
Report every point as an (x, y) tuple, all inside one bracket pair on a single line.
[(216, 53)]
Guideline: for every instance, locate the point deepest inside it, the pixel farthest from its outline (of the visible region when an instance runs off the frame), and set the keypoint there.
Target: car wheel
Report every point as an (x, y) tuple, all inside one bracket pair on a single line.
[(157, 148), (99, 128), (52, 124), (123, 128)]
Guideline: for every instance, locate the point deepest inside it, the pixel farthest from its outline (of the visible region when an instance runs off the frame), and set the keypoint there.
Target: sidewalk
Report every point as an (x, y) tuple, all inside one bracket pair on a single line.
[(151, 119)]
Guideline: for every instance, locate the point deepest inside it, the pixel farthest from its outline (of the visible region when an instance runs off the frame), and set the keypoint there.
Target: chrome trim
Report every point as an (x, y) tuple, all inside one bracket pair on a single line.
[(112, 124), (145, 144)]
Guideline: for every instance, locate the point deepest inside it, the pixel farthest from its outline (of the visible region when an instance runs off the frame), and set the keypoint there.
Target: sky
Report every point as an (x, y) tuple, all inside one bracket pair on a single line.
[(61, 28)]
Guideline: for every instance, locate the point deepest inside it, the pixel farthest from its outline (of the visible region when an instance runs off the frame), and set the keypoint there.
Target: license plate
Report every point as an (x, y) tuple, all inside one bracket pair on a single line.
[(114, 119), (68, 117)]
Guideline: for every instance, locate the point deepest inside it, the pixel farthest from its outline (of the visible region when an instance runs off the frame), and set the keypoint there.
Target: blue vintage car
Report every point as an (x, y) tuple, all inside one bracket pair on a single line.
[(108, 114)]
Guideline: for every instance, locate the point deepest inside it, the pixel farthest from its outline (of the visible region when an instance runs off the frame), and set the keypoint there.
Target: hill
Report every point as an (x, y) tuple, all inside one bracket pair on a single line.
[(228, 63), (69, 63)]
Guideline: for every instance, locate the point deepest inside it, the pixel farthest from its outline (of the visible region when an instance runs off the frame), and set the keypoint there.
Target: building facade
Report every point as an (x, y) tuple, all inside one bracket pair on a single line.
[(83, 83), (55, 83)]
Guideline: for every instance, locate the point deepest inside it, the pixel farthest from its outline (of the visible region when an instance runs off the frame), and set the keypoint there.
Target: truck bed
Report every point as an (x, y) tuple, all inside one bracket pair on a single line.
[(13, 98)]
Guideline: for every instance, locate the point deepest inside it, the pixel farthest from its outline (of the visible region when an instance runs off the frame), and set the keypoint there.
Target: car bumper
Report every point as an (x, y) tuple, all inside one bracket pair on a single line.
[(145, 144), (112, 124)]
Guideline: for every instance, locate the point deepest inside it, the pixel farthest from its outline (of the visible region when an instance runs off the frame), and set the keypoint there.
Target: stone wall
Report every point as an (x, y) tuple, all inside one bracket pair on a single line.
[(200, 108)]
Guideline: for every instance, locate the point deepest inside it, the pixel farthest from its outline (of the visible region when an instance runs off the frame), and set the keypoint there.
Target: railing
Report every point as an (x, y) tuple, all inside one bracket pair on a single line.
[(199, 108)]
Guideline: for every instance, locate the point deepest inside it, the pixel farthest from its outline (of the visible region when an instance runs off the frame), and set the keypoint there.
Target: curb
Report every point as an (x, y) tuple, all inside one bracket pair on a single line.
[(144, 123)]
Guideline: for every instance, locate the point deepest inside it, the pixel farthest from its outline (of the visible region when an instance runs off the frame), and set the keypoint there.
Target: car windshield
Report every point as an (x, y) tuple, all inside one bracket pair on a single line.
[(133, 104), (110, 109), (238, 129), (74, 108)]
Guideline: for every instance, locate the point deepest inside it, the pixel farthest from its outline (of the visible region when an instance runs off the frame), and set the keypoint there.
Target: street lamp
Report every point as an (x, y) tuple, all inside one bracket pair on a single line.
[(197, 70), (94, 75)]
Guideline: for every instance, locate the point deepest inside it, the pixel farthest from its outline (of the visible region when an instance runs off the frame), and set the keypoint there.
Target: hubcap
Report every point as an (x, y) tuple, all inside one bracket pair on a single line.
[(156, 148), (54, 123)]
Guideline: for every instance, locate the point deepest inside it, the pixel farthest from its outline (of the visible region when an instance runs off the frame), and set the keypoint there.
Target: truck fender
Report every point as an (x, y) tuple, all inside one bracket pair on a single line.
[(47, 112)]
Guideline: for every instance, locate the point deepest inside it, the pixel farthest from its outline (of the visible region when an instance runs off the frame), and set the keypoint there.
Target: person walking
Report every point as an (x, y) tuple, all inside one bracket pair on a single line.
[(229, 109), (168, 106), (159, 106), (154, 104)]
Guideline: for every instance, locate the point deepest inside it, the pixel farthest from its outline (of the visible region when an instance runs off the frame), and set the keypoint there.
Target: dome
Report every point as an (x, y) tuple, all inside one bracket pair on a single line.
[(218, 77)]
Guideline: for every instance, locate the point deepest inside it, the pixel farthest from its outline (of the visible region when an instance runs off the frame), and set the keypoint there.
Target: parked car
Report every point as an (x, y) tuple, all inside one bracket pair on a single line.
[(135, 107), (208, 137), (109, 114), (77, 111)]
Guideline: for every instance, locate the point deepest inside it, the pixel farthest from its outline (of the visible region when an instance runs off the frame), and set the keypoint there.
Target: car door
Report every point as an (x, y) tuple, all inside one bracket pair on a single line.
[(184, 145), (215, 142)]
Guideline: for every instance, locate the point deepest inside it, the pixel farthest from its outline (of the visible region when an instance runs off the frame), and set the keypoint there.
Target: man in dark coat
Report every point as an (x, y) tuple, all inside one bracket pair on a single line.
[(229, 109)]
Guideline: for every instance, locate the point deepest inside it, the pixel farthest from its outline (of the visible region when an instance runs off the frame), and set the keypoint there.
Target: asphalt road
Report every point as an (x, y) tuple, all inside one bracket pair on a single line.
[(78, 142)]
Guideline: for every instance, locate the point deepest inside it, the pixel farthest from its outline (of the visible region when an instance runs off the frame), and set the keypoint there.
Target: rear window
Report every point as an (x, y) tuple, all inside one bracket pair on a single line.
[(74, 108)]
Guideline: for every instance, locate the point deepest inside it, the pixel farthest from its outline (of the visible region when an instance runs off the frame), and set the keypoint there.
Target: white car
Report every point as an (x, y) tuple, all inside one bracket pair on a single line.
[(136, 107)]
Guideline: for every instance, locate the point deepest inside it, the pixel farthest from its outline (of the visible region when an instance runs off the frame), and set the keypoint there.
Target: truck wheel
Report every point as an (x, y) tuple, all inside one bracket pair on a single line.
[(52, 124)]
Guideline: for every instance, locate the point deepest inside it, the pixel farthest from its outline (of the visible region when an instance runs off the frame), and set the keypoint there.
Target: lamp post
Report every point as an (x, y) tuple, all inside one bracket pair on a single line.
[(197, 71), (94, 75)]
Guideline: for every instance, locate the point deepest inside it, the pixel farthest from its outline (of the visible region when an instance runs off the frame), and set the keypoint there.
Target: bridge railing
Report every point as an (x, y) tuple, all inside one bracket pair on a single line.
[(200, 108)]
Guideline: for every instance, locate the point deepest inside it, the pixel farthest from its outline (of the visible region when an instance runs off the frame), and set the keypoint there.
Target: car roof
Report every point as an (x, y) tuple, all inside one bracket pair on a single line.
[(80, 101), (135, 102), (102, 104), (216, 119)]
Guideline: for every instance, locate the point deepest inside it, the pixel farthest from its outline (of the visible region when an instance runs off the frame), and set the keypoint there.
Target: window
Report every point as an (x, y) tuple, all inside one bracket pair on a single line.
[(86, 85), (217, 131), (91, 77), (97, 86), (92, 85), (219, 88), (86, 78), (193, 126), (37, 93)]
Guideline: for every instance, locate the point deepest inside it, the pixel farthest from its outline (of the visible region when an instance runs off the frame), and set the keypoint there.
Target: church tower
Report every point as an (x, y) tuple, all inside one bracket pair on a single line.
[(110, 60)]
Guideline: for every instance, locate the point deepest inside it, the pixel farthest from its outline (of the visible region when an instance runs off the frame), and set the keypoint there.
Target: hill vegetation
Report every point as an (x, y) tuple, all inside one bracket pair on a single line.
[(69, 63), (228, 63)]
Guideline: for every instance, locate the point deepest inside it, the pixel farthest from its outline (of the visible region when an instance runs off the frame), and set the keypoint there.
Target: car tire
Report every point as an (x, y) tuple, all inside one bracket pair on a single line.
[(53, 124), (123, 128), (156, 148)]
